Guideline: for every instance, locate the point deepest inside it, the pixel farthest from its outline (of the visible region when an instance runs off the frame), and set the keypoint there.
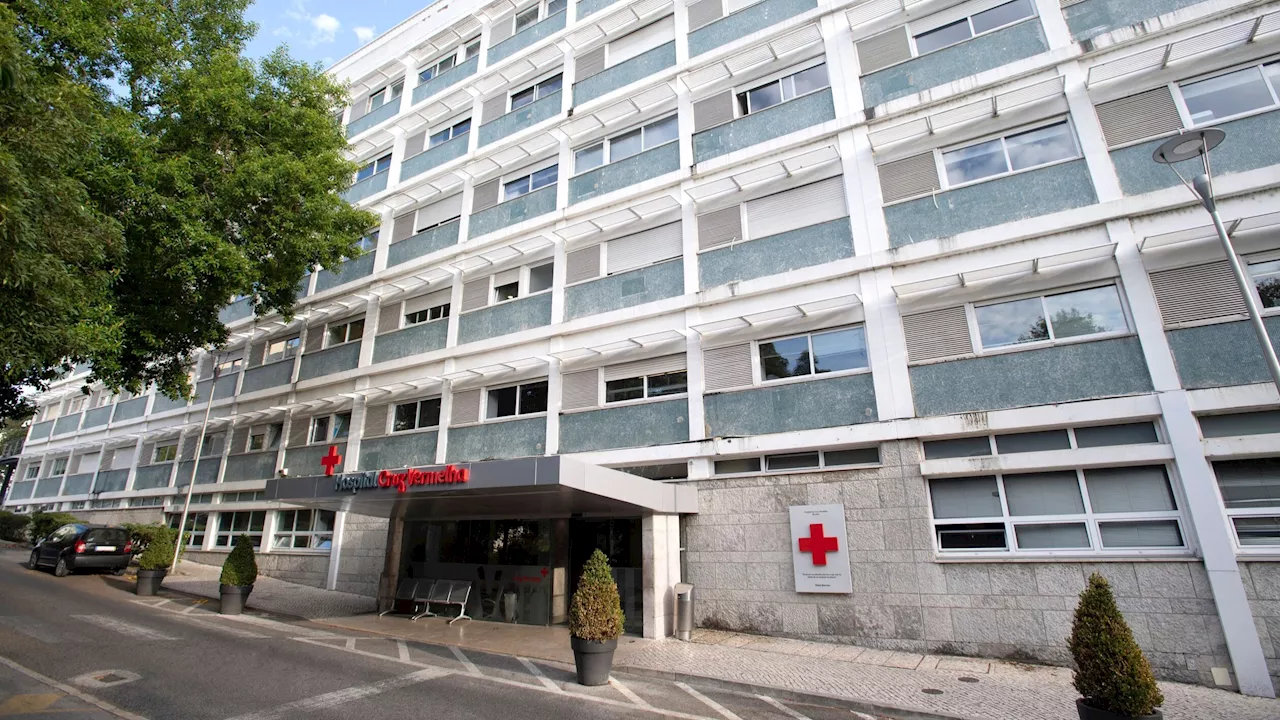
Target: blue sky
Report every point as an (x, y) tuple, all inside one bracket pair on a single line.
[(324, 31)]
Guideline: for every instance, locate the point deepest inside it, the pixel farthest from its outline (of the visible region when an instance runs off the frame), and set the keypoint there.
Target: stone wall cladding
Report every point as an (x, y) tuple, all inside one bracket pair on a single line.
[(739, 560), (1262, 587), (364, 549), (304, 569)]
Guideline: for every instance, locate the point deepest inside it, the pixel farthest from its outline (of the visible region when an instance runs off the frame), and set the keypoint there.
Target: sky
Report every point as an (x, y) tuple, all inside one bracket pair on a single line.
[(324, 31)]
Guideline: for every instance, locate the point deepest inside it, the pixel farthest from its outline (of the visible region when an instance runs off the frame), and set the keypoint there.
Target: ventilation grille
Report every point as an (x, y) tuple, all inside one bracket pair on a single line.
[(580, 390), (727, 367), (466, 407), (901, 179), (1139, 117), (719, 227), (881, 51), (1200, 292), (936, 334)]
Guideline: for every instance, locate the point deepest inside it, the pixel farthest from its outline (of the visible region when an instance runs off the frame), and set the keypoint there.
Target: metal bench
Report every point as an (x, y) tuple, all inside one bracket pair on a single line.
[(422, 597), (406, 589), (449, 592)]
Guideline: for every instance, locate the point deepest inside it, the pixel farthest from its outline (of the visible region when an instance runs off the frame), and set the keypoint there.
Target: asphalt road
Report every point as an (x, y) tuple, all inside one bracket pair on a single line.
[(85, 647)]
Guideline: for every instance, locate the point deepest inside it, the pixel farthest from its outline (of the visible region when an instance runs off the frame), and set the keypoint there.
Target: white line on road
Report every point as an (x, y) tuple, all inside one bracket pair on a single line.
[(783, 708), (466, 662), (403, 649), (338, 697), (724, 712), (546, 681), (351, 643), (626, 692), (219, 627), (64, 688), (192, 608), (124, 628)]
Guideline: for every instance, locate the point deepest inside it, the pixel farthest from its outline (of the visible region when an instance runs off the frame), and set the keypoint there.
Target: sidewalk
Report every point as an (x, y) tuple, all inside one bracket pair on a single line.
[(272, 595)]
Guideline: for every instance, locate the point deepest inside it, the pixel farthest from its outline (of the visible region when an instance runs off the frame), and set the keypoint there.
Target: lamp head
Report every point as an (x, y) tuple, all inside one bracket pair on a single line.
[(1188, 145)]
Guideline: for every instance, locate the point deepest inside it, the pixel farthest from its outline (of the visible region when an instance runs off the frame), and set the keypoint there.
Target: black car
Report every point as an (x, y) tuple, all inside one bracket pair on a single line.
[(81, 547)]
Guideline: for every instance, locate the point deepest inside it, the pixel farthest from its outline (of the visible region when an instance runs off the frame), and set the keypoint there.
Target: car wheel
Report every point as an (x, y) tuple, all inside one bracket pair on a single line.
[(34, 562), (117, 571), (61, 569)]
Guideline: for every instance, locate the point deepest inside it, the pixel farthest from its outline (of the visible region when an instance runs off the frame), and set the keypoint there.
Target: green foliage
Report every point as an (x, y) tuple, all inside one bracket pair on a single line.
[(596, 610), (158, 553), (240, 567), (143, 535), (43, 523), (1112, 674), (148, 173), (13, 527)]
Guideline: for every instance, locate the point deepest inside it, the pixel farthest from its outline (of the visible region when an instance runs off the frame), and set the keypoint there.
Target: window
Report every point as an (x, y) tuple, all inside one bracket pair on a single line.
[(471, 48), (458, 129), (345, 333), (386, 95), (789, 87), (196, 499), (1235, 93), (154, 501), (528, 183), (620, 147), (339, 424), (526, 18), (541, 277), (244, 496), (813, 353), (977, 24), (374, 167), (75, 505), (103, 504), (197, 524), (369, 242), (417, 415), (33, 472), (165, 453), (1011, 153), (75, 406), (808, 460), (524, 399), (303, 530), (283, 348), (445, 63), (1131, 509), (1135, 433), (1266, 278), (437, 312), (232, 525), (59, 466), (647, 386), (1078, 313), (547, 87), (541, 11), (1251, 494), (227, 367), (212, 444)]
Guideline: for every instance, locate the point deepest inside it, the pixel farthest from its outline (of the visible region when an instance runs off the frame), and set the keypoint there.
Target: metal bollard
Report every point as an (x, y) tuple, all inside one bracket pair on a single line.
[(684, 611)]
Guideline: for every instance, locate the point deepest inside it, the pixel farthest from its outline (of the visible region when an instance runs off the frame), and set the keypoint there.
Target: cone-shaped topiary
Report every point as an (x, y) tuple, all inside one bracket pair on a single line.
[(1112, 674), (596, 611), (240, 568), (159, 551)]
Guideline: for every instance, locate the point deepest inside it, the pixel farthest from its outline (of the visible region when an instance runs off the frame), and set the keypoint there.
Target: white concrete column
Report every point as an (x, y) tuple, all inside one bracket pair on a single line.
[(555, 388), (385, 229), (1143, 308), (464, 221), (689, 234), (133, 469), (568, 72), (886, 346), (455, 297), (371, 309), (661, 548), (268, 532), (866, 210), (351, 455), (1054, 23), (560, 270), (446, 412), (335, 550), (695, 377), (1093, 145)]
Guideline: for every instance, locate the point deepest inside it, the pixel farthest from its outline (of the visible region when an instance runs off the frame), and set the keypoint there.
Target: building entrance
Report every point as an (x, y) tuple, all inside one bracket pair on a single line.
[(620, 540)]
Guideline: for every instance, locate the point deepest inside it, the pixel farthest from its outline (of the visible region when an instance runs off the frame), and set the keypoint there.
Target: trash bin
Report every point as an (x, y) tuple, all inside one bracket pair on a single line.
[(684, 611)]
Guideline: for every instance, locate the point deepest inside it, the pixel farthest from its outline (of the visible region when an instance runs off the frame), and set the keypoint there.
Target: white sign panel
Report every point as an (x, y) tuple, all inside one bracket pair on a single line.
[(820, 549)]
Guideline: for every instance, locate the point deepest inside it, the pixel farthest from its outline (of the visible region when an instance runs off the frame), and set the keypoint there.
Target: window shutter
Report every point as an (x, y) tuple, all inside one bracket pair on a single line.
[(589, 63), (704, 12), (582, 264), (299, 431), (415, 144), (189, 444), (375, 421), (484, 196), (446, 209), (916, 175), (580, 390), (645, 248), (727, 367), (402, 228), (315, 339), (217, 442), (148, 453), (642, 40), (1139, 117), (800, 207), (502, 30), (422, 302), (466, 407), (104, 462), (206, 366), (389, 318), (240, 440), (1199, 292), (719, 227), (257, 352), (881, 51), (475, 294), (712, 111), (935, 334), (493, 108), (651, 366)]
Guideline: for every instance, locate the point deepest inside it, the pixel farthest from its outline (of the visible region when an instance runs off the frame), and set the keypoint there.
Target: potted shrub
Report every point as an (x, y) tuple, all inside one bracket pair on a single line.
[(153, 563), (238, 575), (1112, 674), (595, 621)]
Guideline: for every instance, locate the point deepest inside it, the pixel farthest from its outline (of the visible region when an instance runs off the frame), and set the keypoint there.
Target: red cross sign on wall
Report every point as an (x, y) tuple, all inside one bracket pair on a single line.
[(818, 545), (331, 460)]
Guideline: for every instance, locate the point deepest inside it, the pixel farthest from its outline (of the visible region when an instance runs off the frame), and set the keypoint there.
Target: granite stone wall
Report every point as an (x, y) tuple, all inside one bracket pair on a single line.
[(364, 550), (301, 568)]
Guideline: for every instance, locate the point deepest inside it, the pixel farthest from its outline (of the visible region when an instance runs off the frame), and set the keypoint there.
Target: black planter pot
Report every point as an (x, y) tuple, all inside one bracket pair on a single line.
[(233, 598), (1092, 713), (593, 660), (149, 581)]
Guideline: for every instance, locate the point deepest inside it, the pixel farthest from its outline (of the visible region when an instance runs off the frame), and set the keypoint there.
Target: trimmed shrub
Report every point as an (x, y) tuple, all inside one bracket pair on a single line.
[(13, 527), (240, 567), (159, 550), (43, 523), (1112, 674), (596, 610)]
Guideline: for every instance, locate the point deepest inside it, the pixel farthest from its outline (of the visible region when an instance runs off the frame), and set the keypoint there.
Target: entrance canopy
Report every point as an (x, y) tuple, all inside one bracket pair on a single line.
[(523, 488)]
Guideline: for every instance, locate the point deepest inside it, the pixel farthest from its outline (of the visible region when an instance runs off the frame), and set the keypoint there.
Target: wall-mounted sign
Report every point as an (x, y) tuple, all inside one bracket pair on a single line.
[(820, 549), (401, 481)]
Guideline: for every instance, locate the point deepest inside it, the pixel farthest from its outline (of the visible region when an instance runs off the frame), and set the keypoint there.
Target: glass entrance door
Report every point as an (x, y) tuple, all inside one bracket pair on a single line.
[(620, 540)]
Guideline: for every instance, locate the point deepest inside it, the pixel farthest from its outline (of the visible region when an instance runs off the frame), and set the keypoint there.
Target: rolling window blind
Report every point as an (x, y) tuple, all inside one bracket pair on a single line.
[(257, 352), (446, 209), (880, 51), (1199, 292), (475, 294), (1130, 489), (589, 63), (644, 248), (430, 300), (123, 457), (466, 407), (1139, 117), (240, 440), (908, 177), (485, 196), (148, 453), (582, 264), (639, 368), (719, 227), (796, 208), (375, 421), (299, 430), (389, 318), (712, 111), (580, 390), (642, 40), (402, 228), (704, 12), (1046, 493), (502, 30), (965, 497), (315, 339), (506, 277), (936, 334), (727, 367), (493, 108), (189, 444), (414, 144), (87, 462)]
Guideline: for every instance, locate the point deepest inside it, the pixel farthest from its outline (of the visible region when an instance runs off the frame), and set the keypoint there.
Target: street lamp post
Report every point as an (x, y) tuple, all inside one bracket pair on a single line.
[(1197, 143), (191, 486)]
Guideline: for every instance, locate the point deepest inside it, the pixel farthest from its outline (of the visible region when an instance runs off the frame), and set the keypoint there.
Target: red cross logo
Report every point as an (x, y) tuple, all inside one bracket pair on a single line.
[(331, 460), (818, 545)]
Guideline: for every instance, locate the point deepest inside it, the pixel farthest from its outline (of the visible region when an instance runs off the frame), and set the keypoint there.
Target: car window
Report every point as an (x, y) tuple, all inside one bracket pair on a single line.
[(106, 536), (65, 532)]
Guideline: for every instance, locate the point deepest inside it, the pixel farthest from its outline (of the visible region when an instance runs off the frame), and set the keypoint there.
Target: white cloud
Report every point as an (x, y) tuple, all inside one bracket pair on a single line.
[(326, 27), (282, 32), (364, 34)]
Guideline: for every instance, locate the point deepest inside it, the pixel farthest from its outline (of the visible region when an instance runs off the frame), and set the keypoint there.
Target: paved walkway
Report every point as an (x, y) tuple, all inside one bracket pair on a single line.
[(272, 595)]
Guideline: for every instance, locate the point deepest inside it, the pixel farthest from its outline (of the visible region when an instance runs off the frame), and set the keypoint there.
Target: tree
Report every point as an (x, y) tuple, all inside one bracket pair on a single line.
[(148, 173)]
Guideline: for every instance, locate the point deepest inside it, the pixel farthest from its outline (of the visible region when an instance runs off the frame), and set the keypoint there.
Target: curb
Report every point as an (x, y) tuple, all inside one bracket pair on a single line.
[(778, 693)]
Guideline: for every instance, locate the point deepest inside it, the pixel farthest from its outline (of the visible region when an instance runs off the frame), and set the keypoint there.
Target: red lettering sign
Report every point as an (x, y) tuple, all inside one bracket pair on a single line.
[(402, 481)]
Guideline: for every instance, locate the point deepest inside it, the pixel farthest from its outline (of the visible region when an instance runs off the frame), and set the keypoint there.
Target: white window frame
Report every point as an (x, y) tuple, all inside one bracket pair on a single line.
[(346, 325), (449, 127), (104, 504), (543, 11), (911, 34), (1175, 88), (289, 348), (147, 501), (459, 56), (971, 316), (522, 283), (763, 459), (265, 432), (60, 466), (1089, 518), (944, 182), (391, 416), (445, 308), (1258, 259), (235, 497), (311, 533), (994, 447), (156, 454), (75, 405), (198, 534), (1251, 512), (331, 429), (484, 401), (374, 164), (511, 94), (226, 367), (775, 77), (230, 535), (527, 173), (606, 144), (757, 367), (645, 397), (397, 91), (32, 472)]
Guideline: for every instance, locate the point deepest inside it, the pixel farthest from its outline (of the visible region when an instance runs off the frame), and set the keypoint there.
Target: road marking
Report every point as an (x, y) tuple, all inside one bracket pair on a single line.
[(124, 628), (219, 627), (351, 643), (99, 679), (192, 608), (724, 712), (627, 693), (339, 697), (29, 704), (546, 681), (403, 649), (783, 708), (64, 688), (293, 630), (466, 663)]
